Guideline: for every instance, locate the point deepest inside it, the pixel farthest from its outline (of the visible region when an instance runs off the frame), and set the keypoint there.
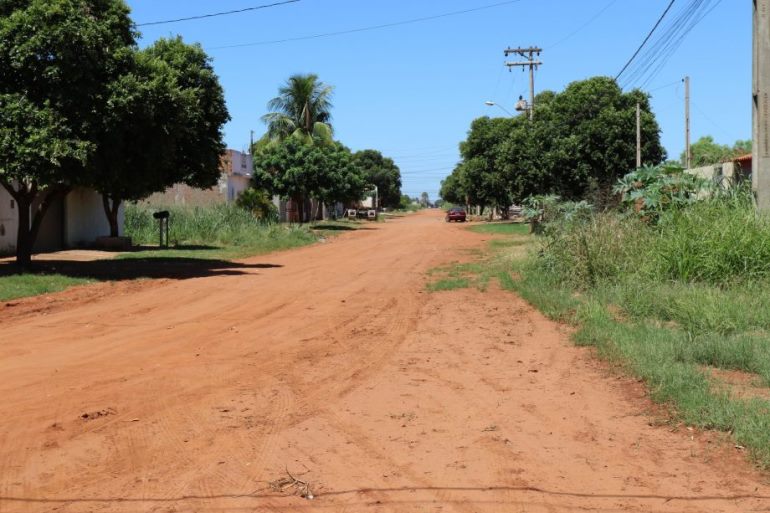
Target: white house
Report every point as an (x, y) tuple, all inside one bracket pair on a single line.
[(238, 168), (72, 222)]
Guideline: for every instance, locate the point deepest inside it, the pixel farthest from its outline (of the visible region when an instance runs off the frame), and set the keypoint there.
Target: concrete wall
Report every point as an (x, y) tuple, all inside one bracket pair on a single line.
[(9, 222), (181, 194), (727, 173), (75, 221), (84, 218)]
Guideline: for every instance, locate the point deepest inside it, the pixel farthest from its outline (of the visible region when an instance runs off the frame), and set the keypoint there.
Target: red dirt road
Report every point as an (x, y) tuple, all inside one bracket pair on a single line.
[(337, 366)]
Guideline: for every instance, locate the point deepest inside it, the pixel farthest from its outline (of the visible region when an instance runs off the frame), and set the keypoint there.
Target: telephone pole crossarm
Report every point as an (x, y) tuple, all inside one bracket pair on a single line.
[(528, 54), (523, 51), (525, 63)]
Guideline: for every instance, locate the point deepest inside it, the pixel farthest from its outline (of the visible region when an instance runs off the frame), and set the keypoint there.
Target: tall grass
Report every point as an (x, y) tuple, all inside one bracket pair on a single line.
[(218, 225), (718, 242)]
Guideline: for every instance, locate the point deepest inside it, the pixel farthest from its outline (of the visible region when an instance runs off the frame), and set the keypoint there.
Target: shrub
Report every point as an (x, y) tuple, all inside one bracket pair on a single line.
[(652, 190), (259, 203)]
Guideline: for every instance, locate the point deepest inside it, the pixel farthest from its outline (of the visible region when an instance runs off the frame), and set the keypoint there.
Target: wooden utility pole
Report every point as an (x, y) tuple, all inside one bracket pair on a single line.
[(760, 150), (529, 54), (638, 136), (687, 153)]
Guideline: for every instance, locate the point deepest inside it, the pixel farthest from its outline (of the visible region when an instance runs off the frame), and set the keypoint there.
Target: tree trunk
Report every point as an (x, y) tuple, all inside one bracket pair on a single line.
[(29, 226), (112, 214), (300, 202), (23, 242)]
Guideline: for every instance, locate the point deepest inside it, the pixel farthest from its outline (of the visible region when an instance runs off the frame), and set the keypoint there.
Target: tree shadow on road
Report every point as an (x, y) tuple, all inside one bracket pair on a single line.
[(134, 268)]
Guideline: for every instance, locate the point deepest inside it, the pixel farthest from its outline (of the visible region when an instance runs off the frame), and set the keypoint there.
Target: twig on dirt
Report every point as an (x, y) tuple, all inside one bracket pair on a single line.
[(303, 487)]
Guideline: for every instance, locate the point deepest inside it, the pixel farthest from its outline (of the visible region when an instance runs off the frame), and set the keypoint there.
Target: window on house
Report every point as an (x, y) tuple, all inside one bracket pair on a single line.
[(13, 204)]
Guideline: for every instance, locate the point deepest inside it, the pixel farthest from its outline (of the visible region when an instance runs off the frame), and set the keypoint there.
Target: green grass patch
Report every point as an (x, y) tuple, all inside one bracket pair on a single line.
[(449, 284), (18, 286), (501, 228), (491, 263)]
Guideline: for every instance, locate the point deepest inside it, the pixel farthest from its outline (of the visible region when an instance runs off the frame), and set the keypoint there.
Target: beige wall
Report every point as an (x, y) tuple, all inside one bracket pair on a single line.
[(84, 218), (9, 222)]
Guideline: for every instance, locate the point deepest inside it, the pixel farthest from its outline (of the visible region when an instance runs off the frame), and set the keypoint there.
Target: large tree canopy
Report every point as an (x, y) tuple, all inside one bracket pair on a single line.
[(296, 170), (57, 57), (578, 144), (163, 125), (382, 172)]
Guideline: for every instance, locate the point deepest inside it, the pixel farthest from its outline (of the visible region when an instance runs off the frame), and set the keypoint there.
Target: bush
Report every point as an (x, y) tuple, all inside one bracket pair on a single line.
[(651, 190), (550, 211), (259, 203)]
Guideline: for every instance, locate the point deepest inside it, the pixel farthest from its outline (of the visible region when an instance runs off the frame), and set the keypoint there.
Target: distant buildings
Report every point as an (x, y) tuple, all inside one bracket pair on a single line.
[(236, 168)]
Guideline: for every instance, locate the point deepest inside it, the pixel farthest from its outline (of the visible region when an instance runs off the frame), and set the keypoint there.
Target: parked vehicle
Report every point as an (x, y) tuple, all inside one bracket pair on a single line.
[(455, 214)]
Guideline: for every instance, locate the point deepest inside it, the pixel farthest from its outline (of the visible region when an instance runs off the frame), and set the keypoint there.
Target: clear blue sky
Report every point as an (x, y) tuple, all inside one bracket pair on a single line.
[(412, 91)]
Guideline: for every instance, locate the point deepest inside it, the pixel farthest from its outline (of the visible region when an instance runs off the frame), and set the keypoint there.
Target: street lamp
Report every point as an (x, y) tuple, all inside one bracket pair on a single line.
[(490, 103)]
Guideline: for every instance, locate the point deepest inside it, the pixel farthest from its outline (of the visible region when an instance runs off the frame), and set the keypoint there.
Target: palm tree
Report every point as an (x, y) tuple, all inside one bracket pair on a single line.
[(302, 109)]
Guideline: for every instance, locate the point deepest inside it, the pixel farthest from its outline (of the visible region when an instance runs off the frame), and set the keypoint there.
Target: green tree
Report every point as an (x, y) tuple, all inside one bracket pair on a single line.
[(296, 170), (382, 172), (302, 109), (484, 182), (163, 125), (342, 179), (452, 189), (57, 57), (592, 143), (705, 151)]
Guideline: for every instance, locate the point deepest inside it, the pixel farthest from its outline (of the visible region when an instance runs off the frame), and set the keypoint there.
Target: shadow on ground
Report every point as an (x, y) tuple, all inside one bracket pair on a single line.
[(341, 228), (134, 268)]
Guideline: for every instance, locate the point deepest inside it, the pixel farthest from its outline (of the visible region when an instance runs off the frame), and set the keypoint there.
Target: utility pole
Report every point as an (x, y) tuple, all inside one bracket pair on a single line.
[(251, 139), (760, 150), (528, 54), (638, 136), (687, 153)]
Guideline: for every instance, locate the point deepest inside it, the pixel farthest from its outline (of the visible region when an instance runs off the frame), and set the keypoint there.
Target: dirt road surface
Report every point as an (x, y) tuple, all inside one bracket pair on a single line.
[(333, 364)]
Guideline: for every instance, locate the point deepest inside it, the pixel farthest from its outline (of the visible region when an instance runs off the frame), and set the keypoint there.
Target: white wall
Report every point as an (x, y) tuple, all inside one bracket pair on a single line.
[(9, 222), (84, 218), (236, 184)]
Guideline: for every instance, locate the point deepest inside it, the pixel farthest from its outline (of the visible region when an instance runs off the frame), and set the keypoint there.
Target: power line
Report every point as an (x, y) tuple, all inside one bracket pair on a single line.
[(212, 15), (371, 27), (646, 39), (670, 42)]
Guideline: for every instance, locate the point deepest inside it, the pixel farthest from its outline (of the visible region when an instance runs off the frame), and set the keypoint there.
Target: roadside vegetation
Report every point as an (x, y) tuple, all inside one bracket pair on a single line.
[(673, 287), (219, 231)]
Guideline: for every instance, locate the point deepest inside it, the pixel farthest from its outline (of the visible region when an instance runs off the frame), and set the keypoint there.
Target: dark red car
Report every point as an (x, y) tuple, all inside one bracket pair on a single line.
[(455, 214)]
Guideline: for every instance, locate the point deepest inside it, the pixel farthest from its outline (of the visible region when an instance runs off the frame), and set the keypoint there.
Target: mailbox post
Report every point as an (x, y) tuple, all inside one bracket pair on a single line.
[(162, 218)]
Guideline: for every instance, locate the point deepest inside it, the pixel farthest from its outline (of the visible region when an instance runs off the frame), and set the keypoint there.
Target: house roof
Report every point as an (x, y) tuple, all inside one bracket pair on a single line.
[(743, 158)]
